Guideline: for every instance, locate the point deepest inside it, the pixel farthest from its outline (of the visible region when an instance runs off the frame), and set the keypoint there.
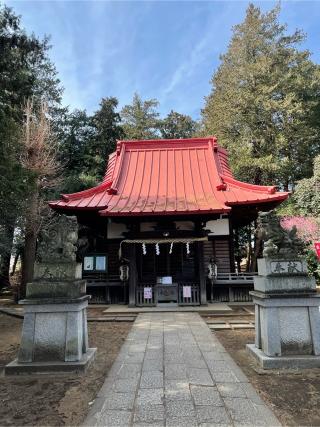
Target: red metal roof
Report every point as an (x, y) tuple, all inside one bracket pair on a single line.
[(175, 176)]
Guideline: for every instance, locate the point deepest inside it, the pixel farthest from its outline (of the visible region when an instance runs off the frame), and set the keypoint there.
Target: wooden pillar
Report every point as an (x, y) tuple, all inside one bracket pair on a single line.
[(202, 276), (132, 274)]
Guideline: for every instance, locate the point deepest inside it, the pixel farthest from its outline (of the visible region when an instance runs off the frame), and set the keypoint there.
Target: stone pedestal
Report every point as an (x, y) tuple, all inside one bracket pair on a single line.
[(54, 334), (286, 314)]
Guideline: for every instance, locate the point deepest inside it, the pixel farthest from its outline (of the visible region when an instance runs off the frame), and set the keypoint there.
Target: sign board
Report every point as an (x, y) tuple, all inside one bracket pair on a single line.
[(164, 280), (317, 247), (186, 291), (95, 263), (88, 263), (101, 263), (147, 293)]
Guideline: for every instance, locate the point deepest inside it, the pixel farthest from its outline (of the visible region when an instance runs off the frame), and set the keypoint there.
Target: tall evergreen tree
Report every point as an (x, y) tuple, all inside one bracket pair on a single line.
[(75, 132), (177, 125), (85, 143), (25, 72), (264, 103), (140, 119), (108, 130)]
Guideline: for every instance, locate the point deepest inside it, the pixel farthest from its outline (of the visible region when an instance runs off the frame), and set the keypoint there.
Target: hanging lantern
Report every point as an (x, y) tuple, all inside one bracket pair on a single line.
[(144, 249), (188, 248), (171, 247), (157, 249)]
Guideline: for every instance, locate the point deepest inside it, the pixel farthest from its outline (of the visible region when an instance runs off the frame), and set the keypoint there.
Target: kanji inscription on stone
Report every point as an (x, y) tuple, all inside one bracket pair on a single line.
[(286, 267)]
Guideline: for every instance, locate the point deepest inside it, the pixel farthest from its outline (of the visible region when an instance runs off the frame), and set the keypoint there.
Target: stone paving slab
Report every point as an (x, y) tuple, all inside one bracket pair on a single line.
[(172, 371)]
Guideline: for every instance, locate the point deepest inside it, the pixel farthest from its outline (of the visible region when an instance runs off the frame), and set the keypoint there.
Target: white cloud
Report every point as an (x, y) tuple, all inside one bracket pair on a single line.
[(186, 69), (214, 35)]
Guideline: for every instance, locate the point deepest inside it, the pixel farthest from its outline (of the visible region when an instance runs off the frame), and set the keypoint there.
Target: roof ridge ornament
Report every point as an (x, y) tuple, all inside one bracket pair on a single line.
[(221, 187), (272, 189), (119, 144), (112, 191)]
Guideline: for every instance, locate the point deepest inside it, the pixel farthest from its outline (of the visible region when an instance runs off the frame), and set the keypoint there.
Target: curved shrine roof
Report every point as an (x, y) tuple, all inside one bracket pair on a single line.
[(173, 176)]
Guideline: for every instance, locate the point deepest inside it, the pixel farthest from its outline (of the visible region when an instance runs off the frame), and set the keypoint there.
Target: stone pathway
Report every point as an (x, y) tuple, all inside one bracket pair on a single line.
[(172, 371)]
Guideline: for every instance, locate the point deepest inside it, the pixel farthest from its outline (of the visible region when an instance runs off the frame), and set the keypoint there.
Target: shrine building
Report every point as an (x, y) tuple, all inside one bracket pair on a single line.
[(164, 216)]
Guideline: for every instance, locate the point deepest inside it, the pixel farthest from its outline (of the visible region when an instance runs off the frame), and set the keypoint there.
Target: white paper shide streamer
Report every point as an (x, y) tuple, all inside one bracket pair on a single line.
[(171, 247)]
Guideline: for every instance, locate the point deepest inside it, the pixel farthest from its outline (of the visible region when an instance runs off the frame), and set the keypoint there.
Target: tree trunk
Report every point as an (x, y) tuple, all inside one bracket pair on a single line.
[(256, 252), (31, 232), (237, 249), (18, 254), (249, 249), (6, 257)]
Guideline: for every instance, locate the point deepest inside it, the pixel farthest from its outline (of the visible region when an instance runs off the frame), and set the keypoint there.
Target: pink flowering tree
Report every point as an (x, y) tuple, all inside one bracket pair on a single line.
[(308, 229)]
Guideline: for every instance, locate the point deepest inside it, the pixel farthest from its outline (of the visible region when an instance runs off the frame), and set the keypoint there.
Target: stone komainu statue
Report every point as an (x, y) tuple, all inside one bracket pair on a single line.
[(278, 241), (58, 240)]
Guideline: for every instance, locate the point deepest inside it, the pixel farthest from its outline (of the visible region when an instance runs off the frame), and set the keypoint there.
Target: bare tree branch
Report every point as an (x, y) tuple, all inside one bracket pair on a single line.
[(40, 148)]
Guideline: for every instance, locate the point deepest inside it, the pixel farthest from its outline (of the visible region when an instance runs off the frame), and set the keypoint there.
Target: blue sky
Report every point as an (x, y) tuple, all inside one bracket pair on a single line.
[(161, 49)]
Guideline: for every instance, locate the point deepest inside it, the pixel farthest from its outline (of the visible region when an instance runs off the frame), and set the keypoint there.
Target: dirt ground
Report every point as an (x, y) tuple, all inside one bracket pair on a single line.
[(294, 396), (54, 401)]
